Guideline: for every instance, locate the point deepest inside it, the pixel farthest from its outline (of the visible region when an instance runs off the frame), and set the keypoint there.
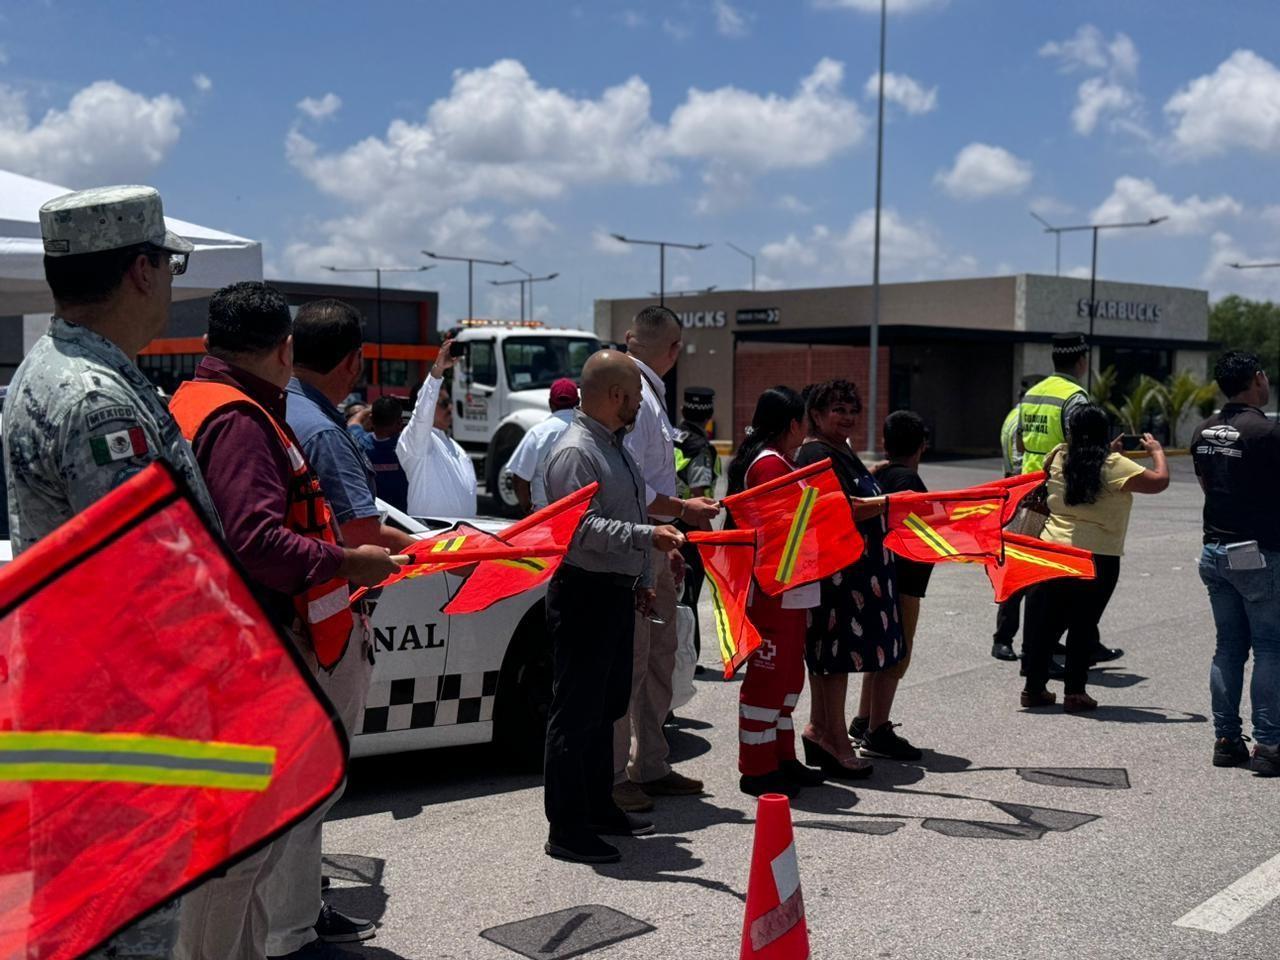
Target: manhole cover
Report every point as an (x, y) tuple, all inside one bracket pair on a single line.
[(567, 933)]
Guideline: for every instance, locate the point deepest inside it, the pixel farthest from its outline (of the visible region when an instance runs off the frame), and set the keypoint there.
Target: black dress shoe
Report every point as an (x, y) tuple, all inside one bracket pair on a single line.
[(1103, 654), (796, 772), (1003, 651), (584, 848)]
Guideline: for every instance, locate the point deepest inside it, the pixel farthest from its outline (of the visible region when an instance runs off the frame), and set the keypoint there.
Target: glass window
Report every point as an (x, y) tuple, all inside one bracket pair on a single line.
[(393, 373), (534, 363), (481, 363)]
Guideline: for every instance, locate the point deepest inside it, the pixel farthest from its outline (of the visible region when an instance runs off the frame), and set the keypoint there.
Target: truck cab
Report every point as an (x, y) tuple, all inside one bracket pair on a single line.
[(501, 388)]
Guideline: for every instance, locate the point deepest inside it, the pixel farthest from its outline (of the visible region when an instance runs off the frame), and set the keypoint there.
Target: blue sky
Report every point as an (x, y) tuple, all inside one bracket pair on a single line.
[(356, 134)]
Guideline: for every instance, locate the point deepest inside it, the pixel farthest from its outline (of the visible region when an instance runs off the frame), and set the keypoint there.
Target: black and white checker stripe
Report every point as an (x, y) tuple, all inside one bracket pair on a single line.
[(439, 701)]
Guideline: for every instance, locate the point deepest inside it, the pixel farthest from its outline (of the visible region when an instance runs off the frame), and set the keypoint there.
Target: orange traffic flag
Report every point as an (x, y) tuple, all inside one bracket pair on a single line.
[(804, 524), (728, 557), (1028, 561), (154, 726), (1019, 488), (955, 525), (544, 537)]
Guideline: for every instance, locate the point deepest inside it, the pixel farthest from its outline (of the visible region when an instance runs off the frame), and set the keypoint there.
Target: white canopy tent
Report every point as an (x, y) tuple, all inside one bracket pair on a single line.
[(219, 258)]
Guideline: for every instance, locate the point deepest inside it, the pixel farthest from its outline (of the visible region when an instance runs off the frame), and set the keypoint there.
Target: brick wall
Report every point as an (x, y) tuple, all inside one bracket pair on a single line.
[(758, 366)]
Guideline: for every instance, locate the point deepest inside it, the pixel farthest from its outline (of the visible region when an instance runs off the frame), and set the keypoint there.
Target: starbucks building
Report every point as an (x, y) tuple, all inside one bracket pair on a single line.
[(955, 351)]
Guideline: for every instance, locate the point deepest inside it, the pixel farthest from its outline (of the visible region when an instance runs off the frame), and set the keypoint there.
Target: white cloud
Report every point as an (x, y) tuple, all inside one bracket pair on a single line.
[(1271, 215), (603, 242), (1111, 92), (632, 19), (106, 134), (202, 82), (528, 227), (981, 170), (1222, 278), (1088, 49), (676, 30), (793, 204), (908, 251), (322, 108), (1238, 105), (1133, 200), (1096, 97), (730, 21), (873, 6), (1079, 273), (904, 91)]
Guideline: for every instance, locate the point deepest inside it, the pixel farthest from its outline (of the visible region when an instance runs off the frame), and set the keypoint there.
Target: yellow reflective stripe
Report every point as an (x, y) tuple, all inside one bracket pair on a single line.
[(534, 564), (136, 743), (979, 510), (930, 536), (452, 545), (724, 632), (1017, 554), (118, 773), (799, 523)]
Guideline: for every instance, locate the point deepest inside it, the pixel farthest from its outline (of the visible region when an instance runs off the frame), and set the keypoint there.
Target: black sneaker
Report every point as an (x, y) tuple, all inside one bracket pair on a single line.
[(584, 848), (334, 927), (1266, 760), (883, 742), (796, 772), (755, 785), (858, 729), (1230, 753), (625, 825)]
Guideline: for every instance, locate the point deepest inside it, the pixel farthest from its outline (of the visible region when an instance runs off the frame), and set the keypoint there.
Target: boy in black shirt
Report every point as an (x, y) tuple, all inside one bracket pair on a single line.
[(905, 439), (1237, 458)]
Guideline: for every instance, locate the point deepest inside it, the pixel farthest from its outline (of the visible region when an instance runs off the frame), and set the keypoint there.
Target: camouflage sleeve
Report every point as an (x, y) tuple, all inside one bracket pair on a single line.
[(700, 471), (104, 439)]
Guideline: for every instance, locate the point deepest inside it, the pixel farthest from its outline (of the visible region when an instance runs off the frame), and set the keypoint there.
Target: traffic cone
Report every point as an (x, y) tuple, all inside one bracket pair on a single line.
[(774, 927)]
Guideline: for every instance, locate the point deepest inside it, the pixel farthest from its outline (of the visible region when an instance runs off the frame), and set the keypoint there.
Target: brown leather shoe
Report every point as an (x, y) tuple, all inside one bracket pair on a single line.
[(1045, 698), (672, 785), (1078, 703), (630, 798)]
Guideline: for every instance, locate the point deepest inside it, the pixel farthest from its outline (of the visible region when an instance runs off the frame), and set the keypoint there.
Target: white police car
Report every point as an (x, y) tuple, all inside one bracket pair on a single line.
[(443, 681)]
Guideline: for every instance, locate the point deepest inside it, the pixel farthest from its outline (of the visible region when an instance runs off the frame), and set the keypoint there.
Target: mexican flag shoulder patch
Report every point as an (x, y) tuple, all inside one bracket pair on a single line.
[(120, 445)]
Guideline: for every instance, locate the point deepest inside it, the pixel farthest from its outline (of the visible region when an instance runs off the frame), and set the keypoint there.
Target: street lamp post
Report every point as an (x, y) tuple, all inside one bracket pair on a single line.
[(873, 360), (1264, 266), (662, 257), (377, 274), (749, 256), (1057, 236), (471, 263), (1093, 269), (530, 280)]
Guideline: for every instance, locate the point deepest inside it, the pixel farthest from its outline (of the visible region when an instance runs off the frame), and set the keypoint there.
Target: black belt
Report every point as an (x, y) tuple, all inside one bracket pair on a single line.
[(621, 580)]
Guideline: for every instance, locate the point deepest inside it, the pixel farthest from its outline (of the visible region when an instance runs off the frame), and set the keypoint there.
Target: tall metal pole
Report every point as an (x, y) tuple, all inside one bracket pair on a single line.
[(662, 274), (1057, 253), (377, 370), (873, 383), (749, 256), (662, 257), (471, 313), (1093, 304)]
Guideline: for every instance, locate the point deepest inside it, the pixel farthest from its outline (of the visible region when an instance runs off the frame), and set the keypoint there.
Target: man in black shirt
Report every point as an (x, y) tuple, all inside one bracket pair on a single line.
[(1237, 458)]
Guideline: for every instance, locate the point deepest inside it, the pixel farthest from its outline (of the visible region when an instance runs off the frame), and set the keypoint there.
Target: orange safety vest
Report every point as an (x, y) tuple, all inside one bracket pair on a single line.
[(324, 608)]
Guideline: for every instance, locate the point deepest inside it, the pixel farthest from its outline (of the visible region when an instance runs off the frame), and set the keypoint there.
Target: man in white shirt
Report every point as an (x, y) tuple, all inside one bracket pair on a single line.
[(641, 770), (442, 479), (529, 459)]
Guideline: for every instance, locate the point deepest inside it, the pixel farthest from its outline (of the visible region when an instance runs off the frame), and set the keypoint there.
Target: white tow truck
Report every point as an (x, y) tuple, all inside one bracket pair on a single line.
[(501, 387)]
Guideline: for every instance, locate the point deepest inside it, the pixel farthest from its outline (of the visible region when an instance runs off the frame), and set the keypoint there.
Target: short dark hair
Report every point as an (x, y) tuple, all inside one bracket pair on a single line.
[(652, 319), (387, 412), (1235, 371), (88, 278), (248, 317), (825, 395), (326, 332), (904, 433)]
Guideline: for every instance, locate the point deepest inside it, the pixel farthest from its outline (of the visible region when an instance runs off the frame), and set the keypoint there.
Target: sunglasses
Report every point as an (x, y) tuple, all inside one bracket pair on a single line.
[(177, 261)]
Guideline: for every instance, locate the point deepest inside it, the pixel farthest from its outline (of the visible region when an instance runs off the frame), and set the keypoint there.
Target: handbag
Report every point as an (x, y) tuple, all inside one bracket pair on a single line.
[(1033, 512)]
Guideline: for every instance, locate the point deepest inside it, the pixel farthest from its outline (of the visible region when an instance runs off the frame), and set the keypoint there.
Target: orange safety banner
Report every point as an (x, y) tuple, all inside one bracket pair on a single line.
[(154, 726), (543, 537), (804, 524), (955, 525), (1019, 488), (1028, 561), (728, 557), (459, 546)]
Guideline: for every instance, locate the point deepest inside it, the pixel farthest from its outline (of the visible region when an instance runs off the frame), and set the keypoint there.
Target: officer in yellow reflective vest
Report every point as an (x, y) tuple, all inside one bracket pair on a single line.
[(1047, 407)]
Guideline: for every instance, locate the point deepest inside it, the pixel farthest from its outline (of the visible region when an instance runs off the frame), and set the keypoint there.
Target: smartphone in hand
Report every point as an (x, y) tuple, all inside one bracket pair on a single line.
[(1131, 441)]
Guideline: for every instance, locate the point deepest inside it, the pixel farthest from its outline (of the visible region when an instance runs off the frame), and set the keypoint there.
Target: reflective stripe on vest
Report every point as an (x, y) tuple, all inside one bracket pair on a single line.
[(1041, 415), (323, 608)]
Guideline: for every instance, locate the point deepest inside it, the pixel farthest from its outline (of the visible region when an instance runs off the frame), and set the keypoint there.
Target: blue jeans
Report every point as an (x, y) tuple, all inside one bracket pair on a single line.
[(1246, 612)]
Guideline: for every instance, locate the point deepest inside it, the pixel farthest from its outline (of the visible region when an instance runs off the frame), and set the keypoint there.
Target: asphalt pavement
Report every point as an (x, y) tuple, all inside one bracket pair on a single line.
[(1022, 834)]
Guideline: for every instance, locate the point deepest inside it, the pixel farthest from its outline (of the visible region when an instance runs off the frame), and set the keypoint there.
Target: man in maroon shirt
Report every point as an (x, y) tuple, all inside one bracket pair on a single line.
[(248, 472)]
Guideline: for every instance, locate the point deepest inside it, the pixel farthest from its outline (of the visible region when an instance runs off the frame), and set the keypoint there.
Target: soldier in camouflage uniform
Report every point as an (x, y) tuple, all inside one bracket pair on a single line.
[(80, 418)]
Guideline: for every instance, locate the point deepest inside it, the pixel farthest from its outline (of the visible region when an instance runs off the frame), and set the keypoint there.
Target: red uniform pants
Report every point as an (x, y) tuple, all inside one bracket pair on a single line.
[(775, 677)]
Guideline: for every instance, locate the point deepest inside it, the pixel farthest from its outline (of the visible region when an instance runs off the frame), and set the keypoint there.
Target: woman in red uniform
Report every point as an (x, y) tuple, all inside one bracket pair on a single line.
[(775, 671)]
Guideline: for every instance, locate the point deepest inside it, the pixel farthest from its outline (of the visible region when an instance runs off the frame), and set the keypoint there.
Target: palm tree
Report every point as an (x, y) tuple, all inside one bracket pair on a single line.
[(1180, 395), (1104, 385), (1132, 413)]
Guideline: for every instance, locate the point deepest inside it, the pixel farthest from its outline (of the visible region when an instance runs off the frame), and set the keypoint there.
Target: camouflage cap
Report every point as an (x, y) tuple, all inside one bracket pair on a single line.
[(106, 218)]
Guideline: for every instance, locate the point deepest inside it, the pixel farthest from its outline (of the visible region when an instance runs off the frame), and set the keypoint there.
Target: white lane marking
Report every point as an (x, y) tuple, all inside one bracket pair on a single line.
[(1226, 910)]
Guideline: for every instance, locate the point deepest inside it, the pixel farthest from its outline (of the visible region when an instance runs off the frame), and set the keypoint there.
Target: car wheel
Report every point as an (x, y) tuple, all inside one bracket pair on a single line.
[(498, 477), (524, 693)]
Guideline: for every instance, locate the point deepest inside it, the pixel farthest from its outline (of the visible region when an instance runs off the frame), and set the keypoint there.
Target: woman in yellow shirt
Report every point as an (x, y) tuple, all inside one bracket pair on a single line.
[(1091, 486)]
